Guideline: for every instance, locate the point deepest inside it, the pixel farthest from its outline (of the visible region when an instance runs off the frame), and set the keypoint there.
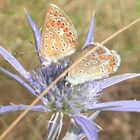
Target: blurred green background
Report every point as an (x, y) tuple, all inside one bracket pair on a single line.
[(17, 38)]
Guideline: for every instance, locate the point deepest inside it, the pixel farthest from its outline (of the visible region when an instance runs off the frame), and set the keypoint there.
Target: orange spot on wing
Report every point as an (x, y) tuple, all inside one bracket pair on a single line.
[(111, 64), (66, 30), (69, 34), (53, 23), (101, 57), (110, 70), (110, 58), (72, 43), (62, 25), (59, 23), (100, 51)]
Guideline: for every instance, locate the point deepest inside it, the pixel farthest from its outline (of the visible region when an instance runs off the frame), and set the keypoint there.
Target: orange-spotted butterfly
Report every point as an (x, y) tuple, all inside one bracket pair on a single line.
[(58, 36), (59, 40), (97, 65)]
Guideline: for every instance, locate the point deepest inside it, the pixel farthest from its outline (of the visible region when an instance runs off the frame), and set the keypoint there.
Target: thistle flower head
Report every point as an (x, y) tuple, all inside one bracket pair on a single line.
[(64, 97)]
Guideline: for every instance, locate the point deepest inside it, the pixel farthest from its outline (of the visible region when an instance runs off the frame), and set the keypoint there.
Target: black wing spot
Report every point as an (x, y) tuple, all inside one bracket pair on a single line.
[(80, 71)]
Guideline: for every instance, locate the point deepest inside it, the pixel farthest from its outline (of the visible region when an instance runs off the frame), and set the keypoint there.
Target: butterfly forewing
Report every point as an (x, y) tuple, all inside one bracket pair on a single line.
[(97, 65), (58, 36)]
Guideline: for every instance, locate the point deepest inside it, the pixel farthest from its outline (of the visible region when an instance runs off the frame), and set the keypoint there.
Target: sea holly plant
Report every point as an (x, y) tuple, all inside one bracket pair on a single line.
[(64, 99)]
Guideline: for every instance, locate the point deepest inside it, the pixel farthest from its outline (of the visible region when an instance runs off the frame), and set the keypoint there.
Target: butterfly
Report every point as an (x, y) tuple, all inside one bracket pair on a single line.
[(58, 35), (59, 41), (100, 63)]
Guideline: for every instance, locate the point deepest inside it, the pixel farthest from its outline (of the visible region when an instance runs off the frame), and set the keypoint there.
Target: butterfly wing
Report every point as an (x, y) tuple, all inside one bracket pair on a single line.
[(97, 65), (58, 36)]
